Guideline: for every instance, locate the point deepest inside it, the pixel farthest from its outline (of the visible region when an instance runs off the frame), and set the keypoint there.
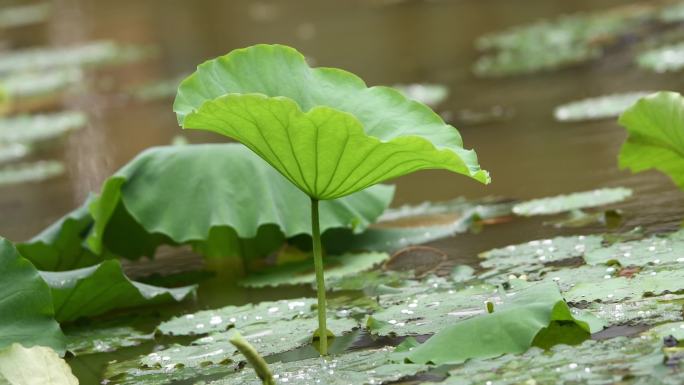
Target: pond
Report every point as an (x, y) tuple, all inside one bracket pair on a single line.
[(509, 120)]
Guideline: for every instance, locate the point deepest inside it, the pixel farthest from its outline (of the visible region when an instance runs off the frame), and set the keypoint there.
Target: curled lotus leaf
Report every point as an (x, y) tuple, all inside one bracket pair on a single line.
[(161, 198), (322, 128)]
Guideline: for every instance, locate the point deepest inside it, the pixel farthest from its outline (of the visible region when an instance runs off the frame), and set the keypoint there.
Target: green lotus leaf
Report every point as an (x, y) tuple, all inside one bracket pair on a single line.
[(61, 246), (13, 151), (267, 338), (38, 128), (596, 108), (161, 197), (20, 15), (530, 317), (656, 136), (26, 311), (98, 338), (98, 289), (30, 172), (239, 317), (37, 365), (668, 58), (569, 202), (619, 360), (321, 128), (297, 273)]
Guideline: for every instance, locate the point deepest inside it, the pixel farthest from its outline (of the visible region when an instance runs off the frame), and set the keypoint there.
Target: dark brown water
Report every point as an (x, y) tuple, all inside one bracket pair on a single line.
[(529, 155)]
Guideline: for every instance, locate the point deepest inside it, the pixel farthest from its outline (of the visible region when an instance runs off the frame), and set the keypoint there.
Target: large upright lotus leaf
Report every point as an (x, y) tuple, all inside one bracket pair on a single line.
[(207, 194), (527, 318), (656, 135), (97, 289), (322, 128), (26, 311)]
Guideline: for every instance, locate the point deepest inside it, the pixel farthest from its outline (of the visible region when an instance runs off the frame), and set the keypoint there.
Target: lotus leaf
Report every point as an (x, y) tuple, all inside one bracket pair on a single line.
[(528, 317), (97, 289), (235, 197), (30, 172), (656, 136), (35, 128), (596, 108), (615, 361), (348, 136), (26, 311), (562, 203), (303, 273), (33, 366)]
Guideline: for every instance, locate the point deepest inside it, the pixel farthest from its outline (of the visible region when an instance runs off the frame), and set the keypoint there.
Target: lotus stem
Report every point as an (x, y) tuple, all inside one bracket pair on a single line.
[(320, 279), (260, 366)]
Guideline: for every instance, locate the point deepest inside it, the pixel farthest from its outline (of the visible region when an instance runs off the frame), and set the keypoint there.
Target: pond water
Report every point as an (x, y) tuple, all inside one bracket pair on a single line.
[(529, 154)]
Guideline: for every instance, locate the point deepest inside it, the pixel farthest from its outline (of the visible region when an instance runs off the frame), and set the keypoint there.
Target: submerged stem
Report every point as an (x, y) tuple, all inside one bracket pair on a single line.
[(320, 280)]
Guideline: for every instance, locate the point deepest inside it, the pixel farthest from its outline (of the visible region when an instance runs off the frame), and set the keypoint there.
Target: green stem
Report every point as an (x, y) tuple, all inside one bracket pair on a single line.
[(320, 280), (260, 366)]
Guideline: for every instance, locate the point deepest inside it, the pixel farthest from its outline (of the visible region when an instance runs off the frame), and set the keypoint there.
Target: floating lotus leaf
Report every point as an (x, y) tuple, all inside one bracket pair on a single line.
[(97, 289), (239, 317), (26, 311), (267, 338), (322, 128), (361, 367), (30, 172), (358, 367), (653, 250), (36, 128), (93, 339), (22, 87), (639, 311), (615, 361), (303, 273), (10, 152), (663, 59), (34, 366), (527, 317), (601, 107), (533, 256), (562, 42), (562, 203), (416, 224), (24, 14), (656, 136), (235, 197), (88, 54), (644, 283), (428, 94), (425, 313)]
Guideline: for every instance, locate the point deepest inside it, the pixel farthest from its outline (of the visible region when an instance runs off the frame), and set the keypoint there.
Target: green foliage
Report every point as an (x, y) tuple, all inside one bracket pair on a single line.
[(33, 366), (237, 205), (98, 289), (103, 337), (656, 136), (525, 318), (323, 129), (26, 310)]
